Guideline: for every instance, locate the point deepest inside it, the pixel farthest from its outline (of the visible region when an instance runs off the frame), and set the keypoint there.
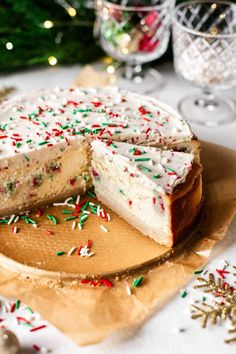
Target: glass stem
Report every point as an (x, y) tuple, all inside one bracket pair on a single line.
[(207, 100), (133, 72)]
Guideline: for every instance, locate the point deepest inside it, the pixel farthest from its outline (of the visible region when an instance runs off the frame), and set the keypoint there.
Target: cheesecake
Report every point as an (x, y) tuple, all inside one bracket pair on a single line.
[(159, 192), (46, 138)]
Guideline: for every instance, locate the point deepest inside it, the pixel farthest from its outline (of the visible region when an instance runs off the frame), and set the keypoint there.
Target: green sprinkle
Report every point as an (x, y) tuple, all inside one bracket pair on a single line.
[(52, 218), (32, 221), (198, 271), (204, 298), (132, 150), (3, 221), (25, 218), (26, 324), (83, 217), (44, 142), (142, 159), (169, 170), (96, 131), (110, 124), (18, 145), (65, 127), (44, 124), (28, 141), (26, 157), (113, 145), (91, 194), (76, 133), (156, 176), (17, 304), (10, 186), (29, 309), (60, 253), (70, 218), (183, 293), (137, 282), (85, 206), (145, 169), (64, 211)]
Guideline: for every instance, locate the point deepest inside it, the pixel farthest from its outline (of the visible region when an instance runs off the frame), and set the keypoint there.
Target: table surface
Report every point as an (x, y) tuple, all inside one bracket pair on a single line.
[(162, 334)]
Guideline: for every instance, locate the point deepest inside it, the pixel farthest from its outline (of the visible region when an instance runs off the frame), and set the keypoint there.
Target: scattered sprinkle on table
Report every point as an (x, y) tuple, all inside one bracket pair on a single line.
[(183, 293)]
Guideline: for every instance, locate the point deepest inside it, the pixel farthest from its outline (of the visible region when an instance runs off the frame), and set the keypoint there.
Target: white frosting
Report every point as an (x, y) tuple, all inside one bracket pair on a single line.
[(48, 117), (159, 170)]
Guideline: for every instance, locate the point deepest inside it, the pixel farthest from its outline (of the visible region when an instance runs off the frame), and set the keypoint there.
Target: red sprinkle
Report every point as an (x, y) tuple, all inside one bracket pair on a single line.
[(38, 213), (36, 347), (22, 319), (222, 273), (104, 282), (13, 306), (37, 328), (137, 152), (97, 104)]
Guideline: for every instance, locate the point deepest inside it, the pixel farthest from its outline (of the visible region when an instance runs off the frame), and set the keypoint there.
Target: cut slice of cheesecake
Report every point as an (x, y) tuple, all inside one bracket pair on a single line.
[(158, 192), (41, 176)]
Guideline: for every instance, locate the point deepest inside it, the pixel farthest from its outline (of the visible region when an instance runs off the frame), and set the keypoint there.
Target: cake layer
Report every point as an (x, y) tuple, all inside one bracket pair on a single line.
[(50, 117), (146, 186), (40, 176)]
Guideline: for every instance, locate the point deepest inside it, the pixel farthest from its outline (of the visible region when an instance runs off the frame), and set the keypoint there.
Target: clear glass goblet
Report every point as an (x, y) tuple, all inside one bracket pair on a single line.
[(204, 44), (135, 32)]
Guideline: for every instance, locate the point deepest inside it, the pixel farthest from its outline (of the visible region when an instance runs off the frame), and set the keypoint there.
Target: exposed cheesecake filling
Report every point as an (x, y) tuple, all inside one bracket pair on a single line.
[(136, 183), (39, 176)]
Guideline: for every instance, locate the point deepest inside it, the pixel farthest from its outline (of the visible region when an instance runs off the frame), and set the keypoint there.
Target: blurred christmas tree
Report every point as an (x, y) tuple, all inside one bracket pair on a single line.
[(43, 32)]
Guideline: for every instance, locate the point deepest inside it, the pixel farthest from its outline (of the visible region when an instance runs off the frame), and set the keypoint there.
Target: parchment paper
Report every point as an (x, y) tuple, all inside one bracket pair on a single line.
[(88, 315)]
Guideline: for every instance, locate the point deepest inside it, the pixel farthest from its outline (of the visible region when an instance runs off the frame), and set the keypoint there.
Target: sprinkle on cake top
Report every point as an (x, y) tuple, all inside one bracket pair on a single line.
[(48, 117), (160, 170)]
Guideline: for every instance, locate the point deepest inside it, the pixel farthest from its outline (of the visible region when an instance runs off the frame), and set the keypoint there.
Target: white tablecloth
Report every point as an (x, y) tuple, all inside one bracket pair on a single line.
[(161, 334)]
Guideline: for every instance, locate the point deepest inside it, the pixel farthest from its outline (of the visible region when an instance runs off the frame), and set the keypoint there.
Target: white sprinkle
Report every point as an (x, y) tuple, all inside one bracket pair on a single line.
[(34, 225), (11, 219), (86, 212), (71, 205), (79, 226), (68, 200), (103, 228), (59, 204), (90, 203), (77, 199), (71, 251), (73, 225), (90, 254), (103, 214), (205, 272), (98, 210), (17, 218), (108, 217), (83, 218), (129, 292), (15, 229)]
